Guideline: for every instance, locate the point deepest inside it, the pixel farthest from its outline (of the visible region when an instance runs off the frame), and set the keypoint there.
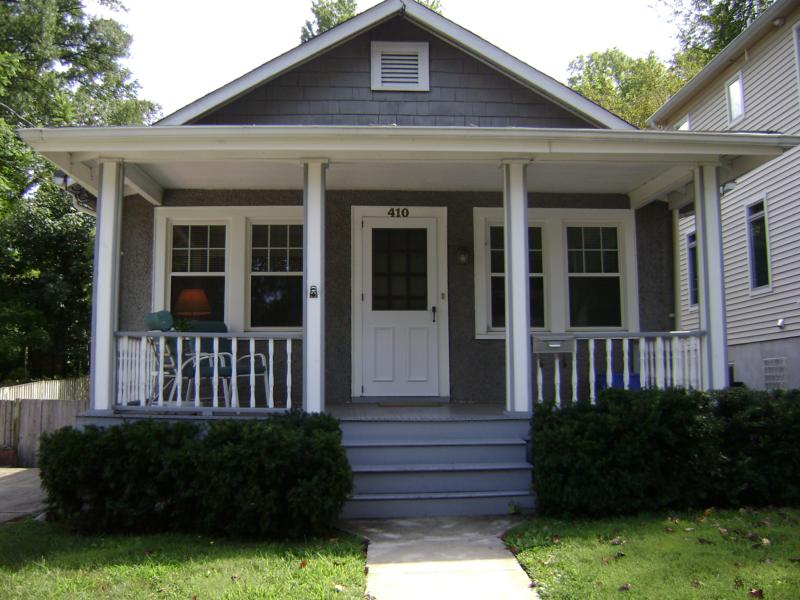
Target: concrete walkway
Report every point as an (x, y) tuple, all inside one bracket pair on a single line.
[(441, 558), (20, 493)]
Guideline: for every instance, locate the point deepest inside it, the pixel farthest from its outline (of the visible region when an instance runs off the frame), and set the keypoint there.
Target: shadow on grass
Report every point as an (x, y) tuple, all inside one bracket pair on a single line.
[(25, 543)]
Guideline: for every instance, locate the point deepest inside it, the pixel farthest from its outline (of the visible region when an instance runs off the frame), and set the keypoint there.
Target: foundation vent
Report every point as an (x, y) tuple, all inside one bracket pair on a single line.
[(775, 373)]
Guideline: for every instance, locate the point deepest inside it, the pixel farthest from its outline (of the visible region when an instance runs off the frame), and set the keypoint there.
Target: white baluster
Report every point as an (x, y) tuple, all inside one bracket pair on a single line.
[(592, 374), (179, 371), (234, 380), (215, 379), (626, 370), (557, 379), (252, 372), (660, 358), (121, 371), (643, 372), (197, 348), (677, 362), (144, 371), (288, 374), (539, 381), (271, 374), (161, 356), (574, 367), (609, 354)]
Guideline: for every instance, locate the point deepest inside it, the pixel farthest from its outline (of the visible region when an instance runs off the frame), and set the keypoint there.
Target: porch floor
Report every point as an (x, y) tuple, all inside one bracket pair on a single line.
[(419, 412)]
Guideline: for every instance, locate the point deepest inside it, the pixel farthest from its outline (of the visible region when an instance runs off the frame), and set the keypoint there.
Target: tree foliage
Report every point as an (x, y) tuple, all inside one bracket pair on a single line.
[(327, 14), (59, 66), (632, 88)]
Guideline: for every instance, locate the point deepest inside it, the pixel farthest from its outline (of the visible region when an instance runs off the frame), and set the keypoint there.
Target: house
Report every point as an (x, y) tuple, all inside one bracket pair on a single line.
[(752, 85), (404, 226)]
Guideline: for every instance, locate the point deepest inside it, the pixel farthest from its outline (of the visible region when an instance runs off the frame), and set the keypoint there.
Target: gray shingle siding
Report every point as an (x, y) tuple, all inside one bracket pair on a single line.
[(334, 89)]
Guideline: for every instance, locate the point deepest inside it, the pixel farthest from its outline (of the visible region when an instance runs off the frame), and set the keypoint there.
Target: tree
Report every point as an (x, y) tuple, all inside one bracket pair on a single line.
[(434, 5), (705, 27), (632, 88), (327, 14), (59, 66)]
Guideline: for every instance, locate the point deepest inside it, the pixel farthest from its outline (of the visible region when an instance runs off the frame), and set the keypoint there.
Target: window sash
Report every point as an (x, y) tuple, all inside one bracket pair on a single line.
[(691, 265), (735, 95), (758, 246)]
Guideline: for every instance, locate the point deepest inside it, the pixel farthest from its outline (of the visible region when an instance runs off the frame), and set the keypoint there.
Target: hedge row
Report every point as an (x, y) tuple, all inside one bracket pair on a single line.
[(287, 475), (647, 450)]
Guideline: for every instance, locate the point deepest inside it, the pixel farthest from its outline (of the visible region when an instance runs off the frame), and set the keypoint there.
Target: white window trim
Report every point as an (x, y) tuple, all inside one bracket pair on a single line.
[(684, 121), (691, 307), (556, 281), (422, 50), (237, 244), (764, 289), (733, 121)]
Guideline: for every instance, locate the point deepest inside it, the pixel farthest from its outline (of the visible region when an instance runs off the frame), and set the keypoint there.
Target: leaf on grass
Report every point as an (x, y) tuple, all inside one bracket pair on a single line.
[(535, 584), (689, 529), (755, 593), (556, 539), (704, 541), (366, 569), (338, 589), (707, 512), (235, 578), (765, 541), (625, 587), (669, 530), (303, 564), (619, 555), (604, 560), (753, 537), (697, 583), (617, 541), (723, 531)]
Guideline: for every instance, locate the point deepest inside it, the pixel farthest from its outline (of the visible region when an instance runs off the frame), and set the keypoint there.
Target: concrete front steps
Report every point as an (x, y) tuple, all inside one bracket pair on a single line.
[(437, 467)]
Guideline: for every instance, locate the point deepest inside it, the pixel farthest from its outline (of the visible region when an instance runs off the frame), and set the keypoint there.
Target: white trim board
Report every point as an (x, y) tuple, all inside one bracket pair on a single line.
[(425, 18), (357, 213)]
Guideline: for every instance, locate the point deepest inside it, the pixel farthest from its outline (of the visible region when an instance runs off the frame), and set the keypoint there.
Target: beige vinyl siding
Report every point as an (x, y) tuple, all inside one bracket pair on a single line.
[(771, 99), (689, 318)]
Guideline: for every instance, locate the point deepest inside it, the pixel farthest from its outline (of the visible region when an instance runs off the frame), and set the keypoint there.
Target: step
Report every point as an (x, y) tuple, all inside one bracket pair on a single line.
[(376, 506), (430, 429), (395, 452), (433, 478)]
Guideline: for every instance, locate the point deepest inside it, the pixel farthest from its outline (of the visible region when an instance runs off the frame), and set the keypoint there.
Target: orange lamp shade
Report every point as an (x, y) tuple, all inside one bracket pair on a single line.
[(192, 302)]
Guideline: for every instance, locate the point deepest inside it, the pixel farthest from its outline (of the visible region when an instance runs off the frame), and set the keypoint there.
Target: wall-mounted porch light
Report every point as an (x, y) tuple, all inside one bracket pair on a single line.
[(462, 255)]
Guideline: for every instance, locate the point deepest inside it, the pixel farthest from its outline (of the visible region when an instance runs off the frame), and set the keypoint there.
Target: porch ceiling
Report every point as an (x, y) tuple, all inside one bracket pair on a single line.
[(642, 164)]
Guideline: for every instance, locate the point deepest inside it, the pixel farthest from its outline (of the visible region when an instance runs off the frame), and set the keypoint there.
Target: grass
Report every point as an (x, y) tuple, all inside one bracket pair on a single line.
[(42, 560), (710, 554)]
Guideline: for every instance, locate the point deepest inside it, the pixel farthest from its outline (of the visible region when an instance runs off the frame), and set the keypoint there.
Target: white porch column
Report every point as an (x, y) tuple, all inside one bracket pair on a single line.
[(711, 278), (314, 285), (105, 288), (518, 337)]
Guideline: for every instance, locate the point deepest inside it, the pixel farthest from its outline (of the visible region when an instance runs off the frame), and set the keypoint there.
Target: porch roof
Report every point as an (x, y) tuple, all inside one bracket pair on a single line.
[(645, 165)]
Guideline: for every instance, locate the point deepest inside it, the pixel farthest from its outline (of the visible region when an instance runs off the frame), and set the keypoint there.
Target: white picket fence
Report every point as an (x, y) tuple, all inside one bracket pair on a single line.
[(48, 389)]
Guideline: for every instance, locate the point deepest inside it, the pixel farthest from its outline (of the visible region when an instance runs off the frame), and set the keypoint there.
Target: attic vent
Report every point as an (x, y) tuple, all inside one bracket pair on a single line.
[(400, 66)]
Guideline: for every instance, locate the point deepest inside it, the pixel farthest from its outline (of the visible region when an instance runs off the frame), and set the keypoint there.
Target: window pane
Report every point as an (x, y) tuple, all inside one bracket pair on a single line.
[(537, 301), (180, 236), (496, 238), (498, 301), (759, 268), (610, 261), (216, 238), (180, 261), (574, 238), (535, 261), (498, 261), (278, 260), (260, 260), (401, 282), (595, 302), (575, 261), (692, 265), (199, 298), (609, 238), (591, 238), (216, 260), (276, 301), (535, 238), (296, 236), (260, 236), (198, 260), (594, 261), (278, 236), (198, 236), (735, 99), (296, 260)]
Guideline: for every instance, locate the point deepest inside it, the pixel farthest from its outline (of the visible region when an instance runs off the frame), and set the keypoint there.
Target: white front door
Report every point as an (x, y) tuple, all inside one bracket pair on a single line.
[(400, 308)]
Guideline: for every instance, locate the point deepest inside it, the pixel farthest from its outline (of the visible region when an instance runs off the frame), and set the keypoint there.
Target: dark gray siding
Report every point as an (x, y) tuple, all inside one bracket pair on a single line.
[(334, 89), (477, 367)]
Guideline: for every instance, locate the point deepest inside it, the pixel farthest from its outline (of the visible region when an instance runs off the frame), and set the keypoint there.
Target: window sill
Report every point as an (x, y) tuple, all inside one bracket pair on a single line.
[(760, 291)]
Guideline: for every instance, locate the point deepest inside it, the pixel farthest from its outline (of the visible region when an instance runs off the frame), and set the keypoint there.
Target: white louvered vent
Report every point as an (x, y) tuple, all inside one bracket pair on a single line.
[(400, 66)]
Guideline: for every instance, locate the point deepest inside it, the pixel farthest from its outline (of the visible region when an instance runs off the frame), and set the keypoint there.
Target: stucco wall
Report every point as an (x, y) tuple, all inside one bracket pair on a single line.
[(476, 366), (335, 89)]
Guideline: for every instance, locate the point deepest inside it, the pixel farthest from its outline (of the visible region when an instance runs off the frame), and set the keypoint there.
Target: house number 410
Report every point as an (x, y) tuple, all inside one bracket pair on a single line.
[(398, 212)]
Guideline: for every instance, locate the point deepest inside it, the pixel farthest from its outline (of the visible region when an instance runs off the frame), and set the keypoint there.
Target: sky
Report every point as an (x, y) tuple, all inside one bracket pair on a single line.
[(183, 49)]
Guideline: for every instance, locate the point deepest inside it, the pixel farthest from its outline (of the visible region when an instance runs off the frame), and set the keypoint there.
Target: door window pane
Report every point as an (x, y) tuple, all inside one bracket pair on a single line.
[(399, 269)]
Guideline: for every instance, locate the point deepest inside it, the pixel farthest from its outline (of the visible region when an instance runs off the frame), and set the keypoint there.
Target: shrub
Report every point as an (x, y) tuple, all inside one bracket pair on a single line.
[(286, 475), (654, 449)]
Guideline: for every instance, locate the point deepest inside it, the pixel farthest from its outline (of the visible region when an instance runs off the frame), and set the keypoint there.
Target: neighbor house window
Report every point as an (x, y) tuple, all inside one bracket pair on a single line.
[(759, 245), (735, 93), (400, 66), (497, 279), (197, 272), (594, 278), (276, 275), (691, 260)]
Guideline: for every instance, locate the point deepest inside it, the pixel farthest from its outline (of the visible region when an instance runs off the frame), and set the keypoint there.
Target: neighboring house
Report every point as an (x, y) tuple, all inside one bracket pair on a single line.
[(752, 85), (383, 218)]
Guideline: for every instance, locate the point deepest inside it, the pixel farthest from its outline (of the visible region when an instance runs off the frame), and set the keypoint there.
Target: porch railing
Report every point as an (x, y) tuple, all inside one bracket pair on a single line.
[(596, 361), (165, 370)]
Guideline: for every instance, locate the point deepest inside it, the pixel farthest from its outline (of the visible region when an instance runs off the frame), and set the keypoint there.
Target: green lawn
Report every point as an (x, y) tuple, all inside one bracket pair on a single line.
[(711, 554), (41, 560)]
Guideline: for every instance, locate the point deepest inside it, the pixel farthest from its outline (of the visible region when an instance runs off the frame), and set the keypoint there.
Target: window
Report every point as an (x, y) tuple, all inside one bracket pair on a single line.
[(497, 279), (691, 264), (758, 245), (735, 93), (683, 125), (595, 298), (276, 275), (197, 273), (400, 66)]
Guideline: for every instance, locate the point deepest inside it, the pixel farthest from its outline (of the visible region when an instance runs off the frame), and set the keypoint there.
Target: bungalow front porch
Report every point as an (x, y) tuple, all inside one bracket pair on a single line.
[(532, 248)]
